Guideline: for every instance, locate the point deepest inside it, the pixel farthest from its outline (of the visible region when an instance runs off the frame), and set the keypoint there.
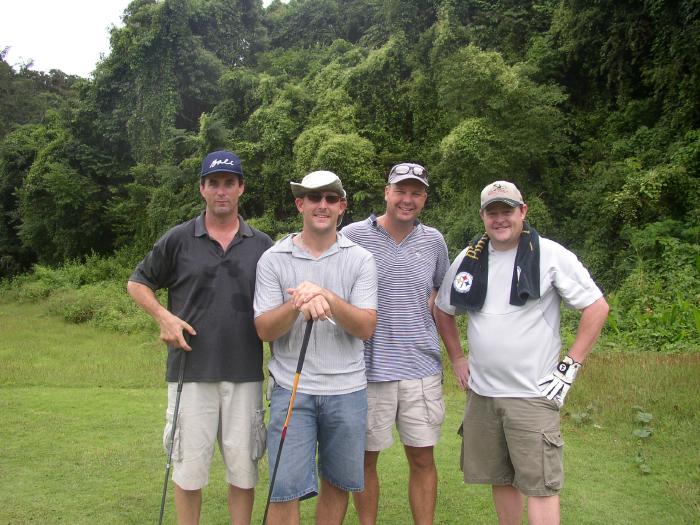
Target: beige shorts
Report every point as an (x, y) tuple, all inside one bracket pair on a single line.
[(415, 405), (513, 441), (231, 413)]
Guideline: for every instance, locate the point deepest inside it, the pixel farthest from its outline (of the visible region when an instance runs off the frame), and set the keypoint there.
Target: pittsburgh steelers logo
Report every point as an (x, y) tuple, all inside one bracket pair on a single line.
[(463, 282)]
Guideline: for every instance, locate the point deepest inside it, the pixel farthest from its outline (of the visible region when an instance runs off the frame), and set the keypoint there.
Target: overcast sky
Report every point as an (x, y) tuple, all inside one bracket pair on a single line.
[(69, 35)]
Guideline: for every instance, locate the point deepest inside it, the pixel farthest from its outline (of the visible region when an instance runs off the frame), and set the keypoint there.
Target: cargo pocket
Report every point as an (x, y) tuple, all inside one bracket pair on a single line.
[(434, 402), (177, 441), (258, 435), (553, 460)]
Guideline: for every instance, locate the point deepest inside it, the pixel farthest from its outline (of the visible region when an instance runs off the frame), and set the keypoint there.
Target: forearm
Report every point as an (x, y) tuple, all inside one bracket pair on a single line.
[(447, 328), (358, 322), (172, 328), (431, 301), (449, 332), (592, 320), (274, 323), (147, 300)]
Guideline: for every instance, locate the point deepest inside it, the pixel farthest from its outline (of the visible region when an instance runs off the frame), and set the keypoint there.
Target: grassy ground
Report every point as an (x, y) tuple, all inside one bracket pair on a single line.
[(81, 415)]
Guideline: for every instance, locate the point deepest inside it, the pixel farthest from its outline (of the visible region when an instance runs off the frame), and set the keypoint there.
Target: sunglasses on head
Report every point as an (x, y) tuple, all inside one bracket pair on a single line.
[(317, 197), (403, 169)]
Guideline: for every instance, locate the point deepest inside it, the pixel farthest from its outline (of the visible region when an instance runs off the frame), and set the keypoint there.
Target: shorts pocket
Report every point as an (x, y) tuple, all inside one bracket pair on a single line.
[(258, 435), (177, 441), (553, 460), (434, 402)]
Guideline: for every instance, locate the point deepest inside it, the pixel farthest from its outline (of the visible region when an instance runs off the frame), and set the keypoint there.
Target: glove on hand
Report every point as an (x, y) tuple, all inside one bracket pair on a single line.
[(556, 385)]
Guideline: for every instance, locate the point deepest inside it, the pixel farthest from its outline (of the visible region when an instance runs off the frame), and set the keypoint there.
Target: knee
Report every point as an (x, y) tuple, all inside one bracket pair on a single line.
[(420, 458)]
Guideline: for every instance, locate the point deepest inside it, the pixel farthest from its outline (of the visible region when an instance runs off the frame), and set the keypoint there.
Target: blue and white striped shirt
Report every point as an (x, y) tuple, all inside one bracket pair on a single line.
[(405, 344)]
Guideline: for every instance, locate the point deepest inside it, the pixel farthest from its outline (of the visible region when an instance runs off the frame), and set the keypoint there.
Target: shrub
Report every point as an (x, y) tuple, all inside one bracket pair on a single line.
[(105, 305)]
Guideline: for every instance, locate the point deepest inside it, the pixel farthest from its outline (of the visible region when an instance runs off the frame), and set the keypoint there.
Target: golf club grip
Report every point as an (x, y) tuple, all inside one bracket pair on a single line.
[(304, 344)]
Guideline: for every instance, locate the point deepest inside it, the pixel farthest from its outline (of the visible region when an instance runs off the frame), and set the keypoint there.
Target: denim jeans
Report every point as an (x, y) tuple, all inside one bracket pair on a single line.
[(336, 423)]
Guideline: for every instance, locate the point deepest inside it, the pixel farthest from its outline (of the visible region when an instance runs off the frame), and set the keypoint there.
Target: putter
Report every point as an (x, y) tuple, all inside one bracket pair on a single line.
[(300, 364), (180, 378)]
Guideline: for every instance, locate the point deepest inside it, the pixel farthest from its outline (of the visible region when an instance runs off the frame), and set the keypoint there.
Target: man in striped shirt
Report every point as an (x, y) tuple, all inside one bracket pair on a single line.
[(402, 358)]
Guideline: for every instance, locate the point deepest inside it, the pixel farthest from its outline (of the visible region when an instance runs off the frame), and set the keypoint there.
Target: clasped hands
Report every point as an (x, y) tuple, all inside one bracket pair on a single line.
[(312, 301)]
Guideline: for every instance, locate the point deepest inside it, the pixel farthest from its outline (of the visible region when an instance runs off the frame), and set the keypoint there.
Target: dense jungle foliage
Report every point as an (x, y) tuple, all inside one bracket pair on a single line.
[(591, 108)]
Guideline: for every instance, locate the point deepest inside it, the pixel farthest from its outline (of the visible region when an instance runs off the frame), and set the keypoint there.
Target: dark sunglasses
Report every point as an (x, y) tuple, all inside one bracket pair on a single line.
[(403, 169), (317, 197)]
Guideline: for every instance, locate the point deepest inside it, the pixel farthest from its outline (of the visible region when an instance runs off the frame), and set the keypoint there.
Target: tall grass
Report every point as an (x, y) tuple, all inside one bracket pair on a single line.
[(655, 309), (92, 291)]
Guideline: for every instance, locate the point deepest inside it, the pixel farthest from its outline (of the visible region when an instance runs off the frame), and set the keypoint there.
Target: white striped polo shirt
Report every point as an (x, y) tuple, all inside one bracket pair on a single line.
[(405, 344)]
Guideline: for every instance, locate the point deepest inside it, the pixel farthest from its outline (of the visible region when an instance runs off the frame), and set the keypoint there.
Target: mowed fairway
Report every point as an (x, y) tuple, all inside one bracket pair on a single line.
[(82, 411)]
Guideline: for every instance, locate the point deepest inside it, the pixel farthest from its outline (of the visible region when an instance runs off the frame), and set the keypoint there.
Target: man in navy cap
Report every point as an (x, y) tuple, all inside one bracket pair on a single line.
[(208, 266)]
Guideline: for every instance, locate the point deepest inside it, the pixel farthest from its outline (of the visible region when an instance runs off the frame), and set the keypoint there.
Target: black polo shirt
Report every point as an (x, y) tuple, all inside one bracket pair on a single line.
[(212, 290)]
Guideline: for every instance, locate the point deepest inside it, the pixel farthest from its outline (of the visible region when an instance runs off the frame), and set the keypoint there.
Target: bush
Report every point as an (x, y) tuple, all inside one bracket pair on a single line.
[(105, 305), (92, 292), (657, 307)]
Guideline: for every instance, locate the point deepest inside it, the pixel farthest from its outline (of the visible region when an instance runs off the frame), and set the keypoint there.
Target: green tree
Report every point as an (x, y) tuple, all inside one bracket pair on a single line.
[(18, 149), (60, 205)]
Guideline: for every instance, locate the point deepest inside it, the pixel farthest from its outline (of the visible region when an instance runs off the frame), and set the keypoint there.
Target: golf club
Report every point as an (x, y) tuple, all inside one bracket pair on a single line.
[(300, 364), (171, 441)]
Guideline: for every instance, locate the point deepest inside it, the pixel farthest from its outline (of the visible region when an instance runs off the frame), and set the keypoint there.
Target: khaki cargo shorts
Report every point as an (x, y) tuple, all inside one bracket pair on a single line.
[(230, 413), (513, 441), (415, 405)]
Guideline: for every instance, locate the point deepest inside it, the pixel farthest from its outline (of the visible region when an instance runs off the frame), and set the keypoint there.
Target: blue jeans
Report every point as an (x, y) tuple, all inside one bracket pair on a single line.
[(337, 423)]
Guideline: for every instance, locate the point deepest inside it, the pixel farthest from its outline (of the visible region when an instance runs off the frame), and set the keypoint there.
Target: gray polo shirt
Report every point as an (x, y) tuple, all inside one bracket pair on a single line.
[(212, 290), (334, 359)]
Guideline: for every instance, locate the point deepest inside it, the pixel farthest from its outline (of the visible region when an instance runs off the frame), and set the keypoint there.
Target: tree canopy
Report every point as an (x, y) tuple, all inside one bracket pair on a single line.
[(590, 107)]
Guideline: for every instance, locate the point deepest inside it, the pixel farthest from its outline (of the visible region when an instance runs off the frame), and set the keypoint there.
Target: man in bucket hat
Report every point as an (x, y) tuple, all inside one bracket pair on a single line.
[(510, 282), (321, 275), (404, 370), (208, 266)]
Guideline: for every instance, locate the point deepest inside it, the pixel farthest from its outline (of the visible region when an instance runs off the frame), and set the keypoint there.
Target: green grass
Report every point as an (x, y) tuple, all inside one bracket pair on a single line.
[(82, 411)]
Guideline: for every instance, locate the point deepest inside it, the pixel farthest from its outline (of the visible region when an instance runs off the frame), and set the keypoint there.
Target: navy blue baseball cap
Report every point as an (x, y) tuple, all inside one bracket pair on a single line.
[(218, 161)]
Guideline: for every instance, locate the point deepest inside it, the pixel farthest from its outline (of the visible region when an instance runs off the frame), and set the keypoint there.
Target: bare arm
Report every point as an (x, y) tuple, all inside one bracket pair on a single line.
[(274, 323), (171, 326), (447, 328), (320, 303), (431, 301), (359, 322), (592, 320)]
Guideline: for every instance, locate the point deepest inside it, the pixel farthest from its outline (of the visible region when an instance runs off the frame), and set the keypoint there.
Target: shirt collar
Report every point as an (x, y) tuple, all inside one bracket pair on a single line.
[(373, 221), (200, 229), (286, 245)]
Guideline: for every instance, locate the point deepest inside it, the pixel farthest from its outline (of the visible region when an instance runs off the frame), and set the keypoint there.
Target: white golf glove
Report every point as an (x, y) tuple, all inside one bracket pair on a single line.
[(557, 384)]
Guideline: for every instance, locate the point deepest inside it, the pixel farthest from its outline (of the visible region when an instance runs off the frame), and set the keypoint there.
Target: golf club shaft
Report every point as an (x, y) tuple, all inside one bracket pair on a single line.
[(291, 400), (300, 364), (180, 379)]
